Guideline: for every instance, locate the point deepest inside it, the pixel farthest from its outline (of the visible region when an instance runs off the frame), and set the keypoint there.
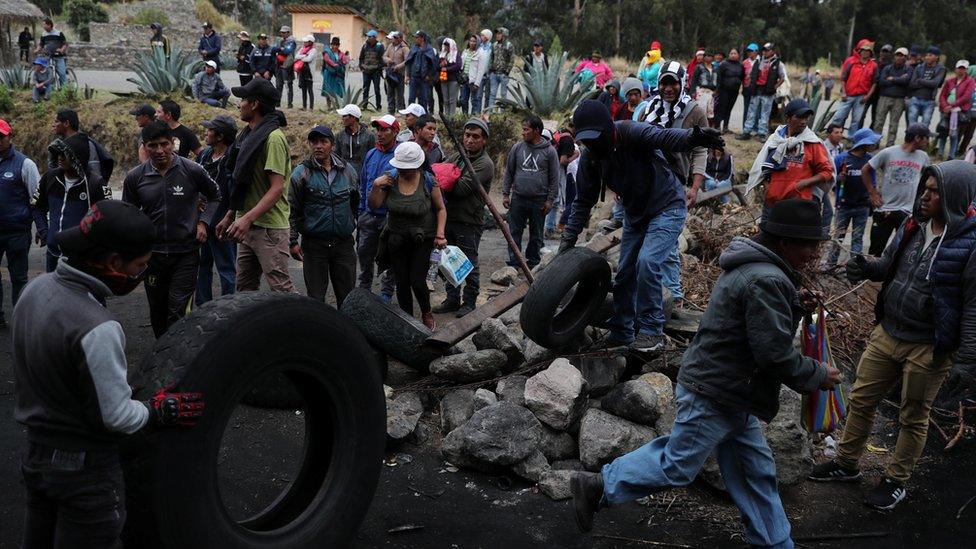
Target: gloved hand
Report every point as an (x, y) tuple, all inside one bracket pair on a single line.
[(710, 138), (567, 242), (182, 409), (857, 269)]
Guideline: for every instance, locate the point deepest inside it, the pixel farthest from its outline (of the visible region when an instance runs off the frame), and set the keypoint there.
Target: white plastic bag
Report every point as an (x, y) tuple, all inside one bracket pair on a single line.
[(455, 266)]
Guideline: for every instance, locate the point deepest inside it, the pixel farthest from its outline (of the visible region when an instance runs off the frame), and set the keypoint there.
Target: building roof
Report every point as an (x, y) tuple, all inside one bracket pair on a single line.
[(325, 8), (21, 9)]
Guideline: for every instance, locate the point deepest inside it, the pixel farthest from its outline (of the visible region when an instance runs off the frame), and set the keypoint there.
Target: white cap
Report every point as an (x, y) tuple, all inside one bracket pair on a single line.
[(962, 63), (350, 109), (547, 133), (284, 28), (902, 51), (414, 109), (393, 35), (486, 33), (308, 38), (211, 63), (408, 156)]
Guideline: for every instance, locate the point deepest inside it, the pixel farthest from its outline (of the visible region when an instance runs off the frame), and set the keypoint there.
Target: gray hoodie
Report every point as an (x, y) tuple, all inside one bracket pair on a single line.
[(532, 171), (744, 348)]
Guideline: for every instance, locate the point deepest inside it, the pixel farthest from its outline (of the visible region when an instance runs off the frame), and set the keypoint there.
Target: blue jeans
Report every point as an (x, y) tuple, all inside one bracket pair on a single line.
[(527, 211), (920, 110), (570, 197), (827, 213), (743, 455), (465, 98), (217, 98), (498, 84), (637, 289), (850, 105), (39, 95), (419, 91), (858, 219), (15, 245), (618, 211), (711, 184), (758, 120), (61, 69), (223, 254)]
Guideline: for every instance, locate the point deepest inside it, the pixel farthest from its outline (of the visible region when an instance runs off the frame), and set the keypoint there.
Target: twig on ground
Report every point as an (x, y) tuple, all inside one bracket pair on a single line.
[(962, 429), (643, 541), (945, 437), (963, 508)]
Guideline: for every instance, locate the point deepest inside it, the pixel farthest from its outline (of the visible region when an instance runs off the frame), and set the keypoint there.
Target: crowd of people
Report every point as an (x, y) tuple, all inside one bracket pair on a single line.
[(375, 200)]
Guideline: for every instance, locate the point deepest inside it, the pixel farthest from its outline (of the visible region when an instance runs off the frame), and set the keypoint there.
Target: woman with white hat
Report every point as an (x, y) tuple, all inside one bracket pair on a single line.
[(415, 224), (304, 58)]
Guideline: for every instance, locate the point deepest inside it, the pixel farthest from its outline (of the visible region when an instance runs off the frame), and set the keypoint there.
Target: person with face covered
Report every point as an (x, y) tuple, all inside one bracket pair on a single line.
[(70, 377), (168, 189)]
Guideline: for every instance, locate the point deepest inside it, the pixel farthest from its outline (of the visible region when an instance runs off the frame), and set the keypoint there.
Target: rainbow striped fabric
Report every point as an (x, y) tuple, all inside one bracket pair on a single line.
[(822, 411)]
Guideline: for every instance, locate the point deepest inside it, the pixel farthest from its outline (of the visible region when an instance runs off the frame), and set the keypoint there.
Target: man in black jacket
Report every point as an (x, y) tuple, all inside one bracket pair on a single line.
[(244, 70), (168, 189), (262, 59), (220, 136), (893, 81), (731, 379), (371, 63), (100, 162)]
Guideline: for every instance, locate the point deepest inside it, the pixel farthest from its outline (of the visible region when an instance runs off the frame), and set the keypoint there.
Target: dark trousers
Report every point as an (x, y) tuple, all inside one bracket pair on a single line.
[(394, 96), (308, 93), (245, 78), (14, 245), (170, 282), (467, 237), (223, 254), (74, 499), (50, 262), (723, 107), (420, 93), (882, 225), (283, 77), (409, 262), (440, 99), (368, 229), (746, 97), (527, 211), (326, 258), (372, 77)]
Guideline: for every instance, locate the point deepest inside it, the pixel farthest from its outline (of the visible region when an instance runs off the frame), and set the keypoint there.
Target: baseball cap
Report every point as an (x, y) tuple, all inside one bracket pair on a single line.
[(386, 121), (223, 124), (244, 35), (322, 131), (591, 119), (208, 25), (934, 50), (394, 34), (918, 130), (798, 107), (419, 33), (547, 133), (352, 110), (902, 51), (112, 225), (257, 88), (414, 109), (752, 47), (211, 63), (536, 43), (262, 35), (962, 63), (408, 156), (371, 34), (41, 61), (4, 127), (887, 47), (478, 123), (768, 46), (143, 110), (284, 28), (308, 38)]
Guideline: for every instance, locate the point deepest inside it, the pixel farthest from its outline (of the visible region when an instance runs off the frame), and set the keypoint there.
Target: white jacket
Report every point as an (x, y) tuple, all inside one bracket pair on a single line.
[(479, 66)]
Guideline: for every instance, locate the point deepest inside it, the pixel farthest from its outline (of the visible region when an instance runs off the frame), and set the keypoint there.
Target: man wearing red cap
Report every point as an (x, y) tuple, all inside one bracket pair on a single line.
[(18, 183), (372, 220), (859, 74)]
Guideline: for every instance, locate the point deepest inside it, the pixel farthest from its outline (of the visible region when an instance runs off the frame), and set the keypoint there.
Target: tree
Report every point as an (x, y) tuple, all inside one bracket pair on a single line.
[(82, 12)]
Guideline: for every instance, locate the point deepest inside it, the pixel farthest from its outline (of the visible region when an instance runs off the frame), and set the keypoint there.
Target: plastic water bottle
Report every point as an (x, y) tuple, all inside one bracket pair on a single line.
[(435, 263)]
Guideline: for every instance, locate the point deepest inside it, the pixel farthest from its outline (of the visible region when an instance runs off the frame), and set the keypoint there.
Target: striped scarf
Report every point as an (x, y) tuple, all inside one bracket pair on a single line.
[(659, 112)]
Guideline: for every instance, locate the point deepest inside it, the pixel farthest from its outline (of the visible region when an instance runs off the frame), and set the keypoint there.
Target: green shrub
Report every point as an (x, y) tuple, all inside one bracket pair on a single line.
[(206, 12), (15, 78), (158, 75), (6, 99), (82, 12), (546, 92), (150, 16)]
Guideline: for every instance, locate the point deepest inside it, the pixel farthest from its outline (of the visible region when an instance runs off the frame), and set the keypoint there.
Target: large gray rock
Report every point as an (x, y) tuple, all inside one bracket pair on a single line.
[(402, 415), (789, 441), (533, 467), (466, 345), (568, 465), (602, 372), (496, 436), (506, 276), (604, 437), (535, 353), (555, 484), (512, 389), (468, 367), (507, 339), (511, 316), (456, 407), (664, 388), (557, 395), (483, 398), (633, 400), (557, 445)]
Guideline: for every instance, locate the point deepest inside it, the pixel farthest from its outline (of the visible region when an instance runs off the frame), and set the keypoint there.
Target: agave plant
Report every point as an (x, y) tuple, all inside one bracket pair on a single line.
[(545, 91), (333, 101), (15, 78), (158, 76), (821, 123)]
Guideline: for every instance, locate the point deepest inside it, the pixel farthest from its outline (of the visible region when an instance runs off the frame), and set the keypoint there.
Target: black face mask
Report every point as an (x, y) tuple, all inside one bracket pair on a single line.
[(119, 283)]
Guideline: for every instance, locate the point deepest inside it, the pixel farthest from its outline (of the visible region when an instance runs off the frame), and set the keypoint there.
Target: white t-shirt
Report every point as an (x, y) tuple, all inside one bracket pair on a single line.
[(899, 177)]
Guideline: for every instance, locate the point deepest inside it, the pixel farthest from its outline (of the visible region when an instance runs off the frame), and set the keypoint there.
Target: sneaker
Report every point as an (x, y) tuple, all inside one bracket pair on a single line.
[(587, 489), (463, 310), (646, 343), (830, 471), (744, 136), (886, 495), (428, 320), (446, 306)]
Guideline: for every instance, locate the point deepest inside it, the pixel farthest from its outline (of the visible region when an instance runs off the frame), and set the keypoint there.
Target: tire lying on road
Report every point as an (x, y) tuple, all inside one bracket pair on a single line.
[(390, 329), (564, 298), (222, 349)]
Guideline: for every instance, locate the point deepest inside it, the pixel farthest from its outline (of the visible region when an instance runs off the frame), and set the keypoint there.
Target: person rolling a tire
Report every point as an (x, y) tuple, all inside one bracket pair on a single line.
[(72, 393)]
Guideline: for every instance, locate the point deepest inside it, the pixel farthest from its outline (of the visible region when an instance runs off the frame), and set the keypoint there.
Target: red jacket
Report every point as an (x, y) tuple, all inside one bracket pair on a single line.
[(964, 94), (859, 76), (782, 183)]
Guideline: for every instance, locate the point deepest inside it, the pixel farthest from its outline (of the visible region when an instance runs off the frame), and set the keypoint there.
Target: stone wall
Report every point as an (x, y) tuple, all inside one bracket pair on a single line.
[(108, 58)]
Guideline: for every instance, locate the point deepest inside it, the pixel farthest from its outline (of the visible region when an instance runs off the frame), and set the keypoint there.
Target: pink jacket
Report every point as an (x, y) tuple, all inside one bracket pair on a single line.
[(964, 94), (601, 71)]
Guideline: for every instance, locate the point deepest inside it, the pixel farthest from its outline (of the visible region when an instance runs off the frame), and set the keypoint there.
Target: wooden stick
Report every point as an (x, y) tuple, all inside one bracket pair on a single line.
[(963, 508), (945, 437), (643, 541), (962, 429)]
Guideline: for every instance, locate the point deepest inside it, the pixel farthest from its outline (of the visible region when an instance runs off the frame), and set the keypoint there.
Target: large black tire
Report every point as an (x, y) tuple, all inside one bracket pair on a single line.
[(564, 298), (389, 329), (222, 349)]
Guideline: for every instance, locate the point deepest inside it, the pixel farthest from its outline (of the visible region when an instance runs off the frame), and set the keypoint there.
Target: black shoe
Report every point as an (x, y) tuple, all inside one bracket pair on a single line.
[(744, 137), (830, 471), (465, 309), (446, 306), (587, 491), (645, 343), (886, 495)]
